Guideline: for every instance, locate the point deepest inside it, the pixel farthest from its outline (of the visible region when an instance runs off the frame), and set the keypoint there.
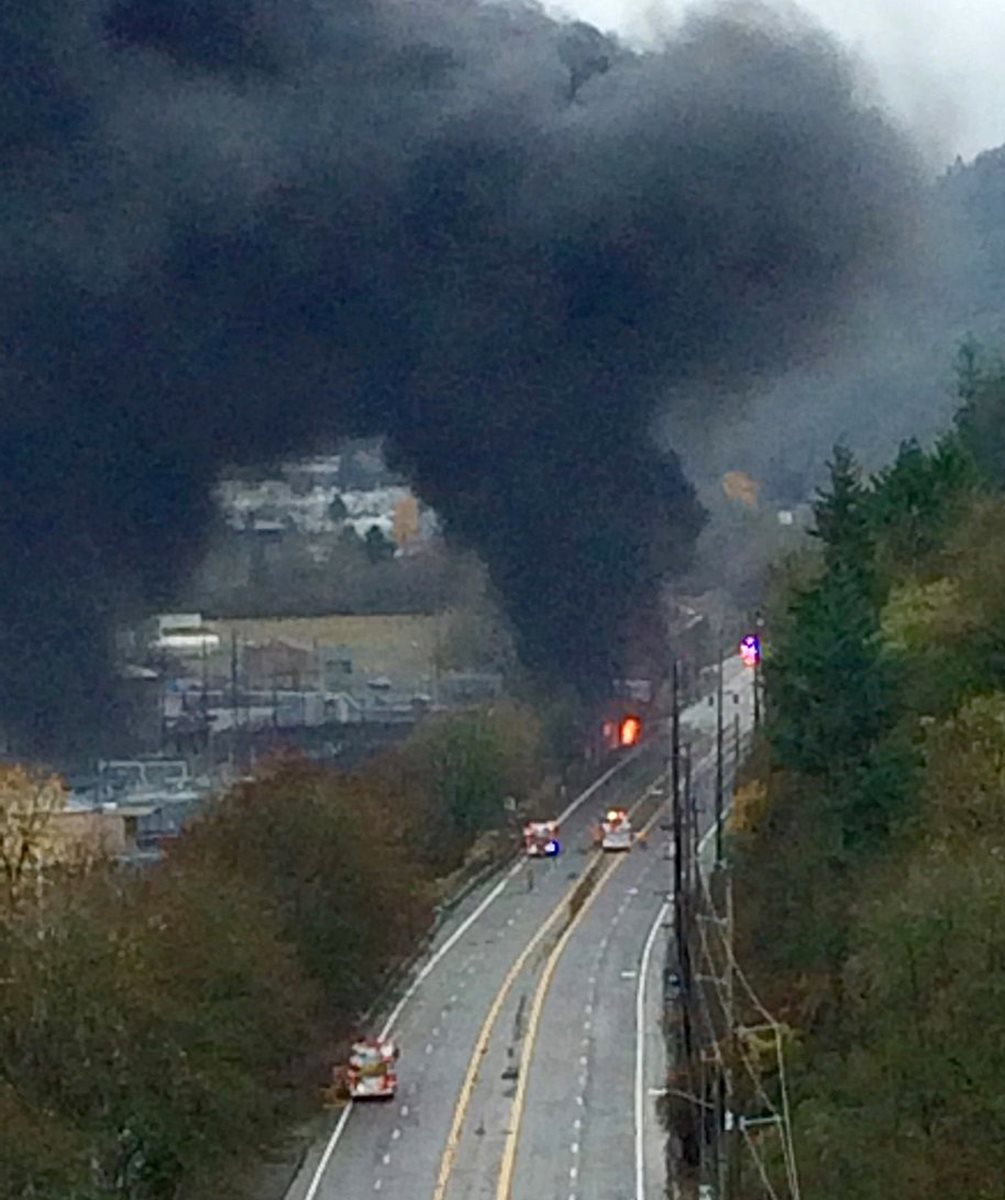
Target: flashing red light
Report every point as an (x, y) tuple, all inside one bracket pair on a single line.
[(630, 731), (750, 650)]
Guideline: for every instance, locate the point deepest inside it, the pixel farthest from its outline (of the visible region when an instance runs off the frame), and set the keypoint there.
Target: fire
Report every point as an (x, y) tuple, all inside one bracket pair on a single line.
[(631, 731)]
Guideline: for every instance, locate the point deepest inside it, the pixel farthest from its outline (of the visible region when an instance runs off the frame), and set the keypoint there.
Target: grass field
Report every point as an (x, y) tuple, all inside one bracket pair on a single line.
[(402, 648)]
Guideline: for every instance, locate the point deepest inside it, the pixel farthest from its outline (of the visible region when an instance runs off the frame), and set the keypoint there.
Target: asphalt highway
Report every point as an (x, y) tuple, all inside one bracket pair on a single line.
[(520, 1070)]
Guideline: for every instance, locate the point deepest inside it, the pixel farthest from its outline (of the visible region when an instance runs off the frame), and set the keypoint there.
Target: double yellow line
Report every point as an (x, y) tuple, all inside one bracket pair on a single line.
[(487, 1029), (505, 1185)]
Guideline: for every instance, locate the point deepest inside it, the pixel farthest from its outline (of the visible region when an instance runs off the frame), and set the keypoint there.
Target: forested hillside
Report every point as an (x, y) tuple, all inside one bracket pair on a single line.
[(869, 837), (159, 1030)]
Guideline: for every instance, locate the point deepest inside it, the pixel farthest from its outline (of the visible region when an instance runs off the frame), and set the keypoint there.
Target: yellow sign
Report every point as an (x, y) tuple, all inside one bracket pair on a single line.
[(406, 521), (739, 486)]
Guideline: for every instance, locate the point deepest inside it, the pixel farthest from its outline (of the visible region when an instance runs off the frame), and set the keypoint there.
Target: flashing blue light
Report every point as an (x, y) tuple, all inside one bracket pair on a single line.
[(552, 847), (750, 649)]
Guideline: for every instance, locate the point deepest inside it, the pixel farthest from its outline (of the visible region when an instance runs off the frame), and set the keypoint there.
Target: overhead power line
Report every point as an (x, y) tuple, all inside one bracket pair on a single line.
[(717, 975)]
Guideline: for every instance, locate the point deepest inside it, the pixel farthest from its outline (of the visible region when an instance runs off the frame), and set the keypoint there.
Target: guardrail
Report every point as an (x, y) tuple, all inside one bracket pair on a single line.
[(392, 988), (397, 981)]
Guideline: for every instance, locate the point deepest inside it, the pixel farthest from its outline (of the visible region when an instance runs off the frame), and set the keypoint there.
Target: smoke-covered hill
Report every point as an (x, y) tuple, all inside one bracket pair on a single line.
[(235, 228)]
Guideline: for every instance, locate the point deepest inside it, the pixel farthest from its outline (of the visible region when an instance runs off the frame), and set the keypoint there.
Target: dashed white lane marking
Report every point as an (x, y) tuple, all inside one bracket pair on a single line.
[(585, 1041), (592, 979), (574, 1172), (582, 1081), (429, 1047), (583, 1060), (577, 1124), (575, 1147), (588, 1009), (404, 1110), (453, 998), (587, 1025), (579, 1101), (395, 1135), (386, 1159), (378, 1184), (436, 1028)]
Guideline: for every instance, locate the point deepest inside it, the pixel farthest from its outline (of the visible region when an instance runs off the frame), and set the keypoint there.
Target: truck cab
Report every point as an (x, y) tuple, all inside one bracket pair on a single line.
[(540, 839), (372, 1070), (616, 830)]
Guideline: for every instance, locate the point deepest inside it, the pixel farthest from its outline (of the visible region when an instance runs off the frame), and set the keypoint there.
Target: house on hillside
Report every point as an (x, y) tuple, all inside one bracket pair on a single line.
[(278, 664), (80, 835)]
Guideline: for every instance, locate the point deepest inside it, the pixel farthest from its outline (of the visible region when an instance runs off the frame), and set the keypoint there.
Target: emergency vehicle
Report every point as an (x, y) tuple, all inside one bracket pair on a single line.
[(372, 1070), (616, 830), (540, 839)]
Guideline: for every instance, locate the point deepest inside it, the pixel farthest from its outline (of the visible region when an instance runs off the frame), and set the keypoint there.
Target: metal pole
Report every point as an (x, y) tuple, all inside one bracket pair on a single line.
[(757, 694), (719, 756), (703, 1163), (204, 739), (233, 697)]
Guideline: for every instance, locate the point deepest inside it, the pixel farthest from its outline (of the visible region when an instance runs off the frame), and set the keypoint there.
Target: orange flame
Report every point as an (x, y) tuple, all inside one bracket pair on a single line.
[(631, 731)]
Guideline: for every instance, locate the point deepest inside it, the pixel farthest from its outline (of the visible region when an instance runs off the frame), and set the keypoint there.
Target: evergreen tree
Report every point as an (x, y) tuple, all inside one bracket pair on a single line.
[(831, 687), (916, 501), (980, 419), (841, 514)]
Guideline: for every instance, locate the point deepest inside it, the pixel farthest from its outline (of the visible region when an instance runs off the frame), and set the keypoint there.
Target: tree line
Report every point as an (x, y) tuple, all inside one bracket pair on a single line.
[(869, 835), (157, 1024)]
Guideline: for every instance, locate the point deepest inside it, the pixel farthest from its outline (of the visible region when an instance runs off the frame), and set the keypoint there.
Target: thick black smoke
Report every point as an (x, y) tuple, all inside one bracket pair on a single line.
[(234, 227)]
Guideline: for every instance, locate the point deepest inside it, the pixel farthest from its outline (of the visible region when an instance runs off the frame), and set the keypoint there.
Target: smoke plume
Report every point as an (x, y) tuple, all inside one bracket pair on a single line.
[(235, 227)]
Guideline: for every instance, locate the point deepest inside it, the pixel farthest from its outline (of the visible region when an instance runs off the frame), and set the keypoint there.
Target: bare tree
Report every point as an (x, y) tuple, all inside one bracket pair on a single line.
[(28, 799)]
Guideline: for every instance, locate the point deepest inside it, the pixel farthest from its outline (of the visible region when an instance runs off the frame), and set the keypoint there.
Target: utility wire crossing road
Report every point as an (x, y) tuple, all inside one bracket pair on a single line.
[(525, 1072)]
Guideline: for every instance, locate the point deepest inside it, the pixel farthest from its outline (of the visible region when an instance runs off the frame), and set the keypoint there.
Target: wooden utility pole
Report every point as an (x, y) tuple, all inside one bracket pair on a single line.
[(688, 832), (680, 848), (675, 799), (730, 1161), (719, 756)]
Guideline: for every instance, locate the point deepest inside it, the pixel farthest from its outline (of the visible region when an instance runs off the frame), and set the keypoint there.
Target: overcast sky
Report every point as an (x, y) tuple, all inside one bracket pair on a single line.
[(938, 62)]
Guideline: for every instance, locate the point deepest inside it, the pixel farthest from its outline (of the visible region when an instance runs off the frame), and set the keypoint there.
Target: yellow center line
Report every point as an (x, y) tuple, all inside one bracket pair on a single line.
[(485, 1033), (505, 1184)]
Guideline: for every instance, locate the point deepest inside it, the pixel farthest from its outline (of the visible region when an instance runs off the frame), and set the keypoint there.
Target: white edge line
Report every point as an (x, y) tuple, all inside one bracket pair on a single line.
[(437, 958), (597, 783), (396, 1012), (640, 1032), (448, 945), (640, 1037), (640, 1055), (328, 1152)]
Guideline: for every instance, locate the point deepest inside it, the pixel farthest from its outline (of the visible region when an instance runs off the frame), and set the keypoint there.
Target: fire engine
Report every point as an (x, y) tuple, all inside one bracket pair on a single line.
[(616, 830), (372, 1071), (540, 839)]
